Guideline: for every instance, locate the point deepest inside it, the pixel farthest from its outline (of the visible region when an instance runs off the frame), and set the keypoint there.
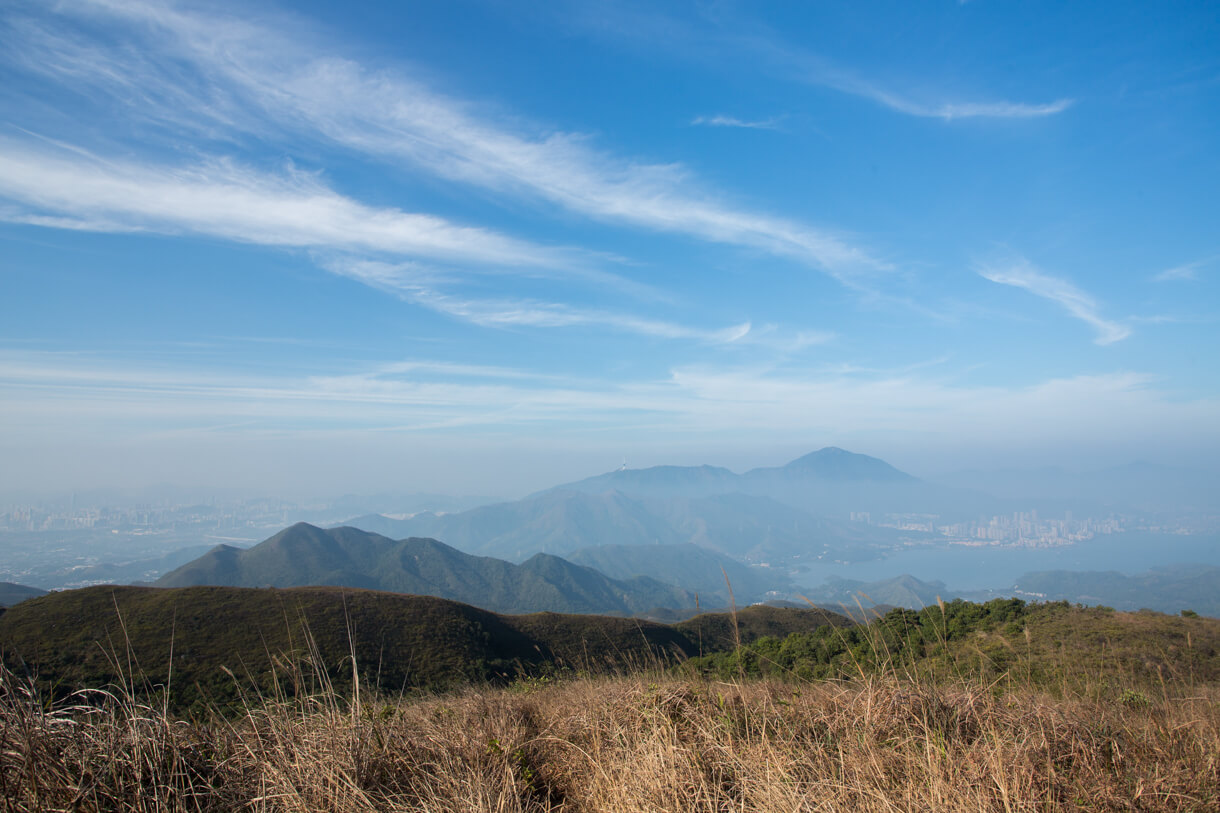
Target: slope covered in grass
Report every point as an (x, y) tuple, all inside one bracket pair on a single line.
[(639, 744), (995, 707)]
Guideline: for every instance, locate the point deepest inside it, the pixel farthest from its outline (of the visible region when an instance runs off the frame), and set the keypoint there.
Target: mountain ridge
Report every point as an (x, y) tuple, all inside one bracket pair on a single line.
[(305, 555)]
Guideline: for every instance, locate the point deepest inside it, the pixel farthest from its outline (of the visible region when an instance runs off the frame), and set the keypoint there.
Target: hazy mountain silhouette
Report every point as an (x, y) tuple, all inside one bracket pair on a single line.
[(659, 481), (830, 482), (1168, 589), (688, 566), (743, 526), (11, 594), (900, 591), (833, 463)]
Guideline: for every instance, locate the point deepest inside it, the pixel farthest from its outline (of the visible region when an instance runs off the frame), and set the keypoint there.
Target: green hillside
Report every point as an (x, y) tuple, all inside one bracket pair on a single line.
[(212, 644), (98, 635), (305, 555)]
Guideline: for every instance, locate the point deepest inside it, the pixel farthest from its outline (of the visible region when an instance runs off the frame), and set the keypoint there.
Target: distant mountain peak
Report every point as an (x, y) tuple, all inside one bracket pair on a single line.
[(834, 463)]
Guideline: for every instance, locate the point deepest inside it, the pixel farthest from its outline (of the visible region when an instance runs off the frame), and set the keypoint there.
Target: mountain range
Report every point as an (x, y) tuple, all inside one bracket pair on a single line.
[(792, 513), (306, 555), (830, 482), (741, 526)]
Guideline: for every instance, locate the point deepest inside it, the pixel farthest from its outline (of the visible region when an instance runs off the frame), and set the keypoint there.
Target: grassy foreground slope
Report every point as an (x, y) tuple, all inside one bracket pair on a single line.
[(1091, 711), (639, 744)]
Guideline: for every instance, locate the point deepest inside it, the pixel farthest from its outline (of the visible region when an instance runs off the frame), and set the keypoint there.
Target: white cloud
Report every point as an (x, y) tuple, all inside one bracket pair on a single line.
[(1021, 274), (816, 71), (732, 121), (967, 110), (296, 210), (421, 286), (1186, 271), (223, 199), (251, 76), (734, 39)]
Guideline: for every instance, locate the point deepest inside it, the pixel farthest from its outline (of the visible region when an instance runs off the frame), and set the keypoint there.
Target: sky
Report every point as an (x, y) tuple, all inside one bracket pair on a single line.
[(484, 247)]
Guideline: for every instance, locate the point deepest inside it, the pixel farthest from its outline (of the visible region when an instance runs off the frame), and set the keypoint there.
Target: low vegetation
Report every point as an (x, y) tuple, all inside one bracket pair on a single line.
[(1091, 710), (1052, 647)]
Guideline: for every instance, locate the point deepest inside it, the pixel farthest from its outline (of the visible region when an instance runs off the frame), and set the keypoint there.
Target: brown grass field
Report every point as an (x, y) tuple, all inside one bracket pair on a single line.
[(651, 742)]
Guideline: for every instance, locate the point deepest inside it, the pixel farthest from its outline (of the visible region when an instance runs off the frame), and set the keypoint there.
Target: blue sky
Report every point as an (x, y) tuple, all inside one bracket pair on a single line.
[(476, 247)]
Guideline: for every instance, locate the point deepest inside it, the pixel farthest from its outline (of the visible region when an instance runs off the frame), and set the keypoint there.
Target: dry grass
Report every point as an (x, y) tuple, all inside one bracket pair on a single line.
[(651, 743)]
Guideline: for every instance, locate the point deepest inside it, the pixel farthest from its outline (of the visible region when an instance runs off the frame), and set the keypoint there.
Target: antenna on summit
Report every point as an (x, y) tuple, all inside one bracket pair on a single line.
[(624, 466)]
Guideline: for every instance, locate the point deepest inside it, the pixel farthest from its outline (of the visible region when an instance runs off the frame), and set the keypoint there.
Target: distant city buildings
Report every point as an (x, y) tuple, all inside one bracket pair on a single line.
[(255, 514), (1020, 528)]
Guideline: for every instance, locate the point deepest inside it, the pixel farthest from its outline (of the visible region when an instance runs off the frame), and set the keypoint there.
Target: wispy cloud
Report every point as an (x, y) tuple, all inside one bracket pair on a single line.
[(44, 392), (732, 121), (723, 33), (963, 110), (293, 209), (814, 70), (224, 199), (1184, 272), (1021, 274), (247, 76), (421, 286)]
